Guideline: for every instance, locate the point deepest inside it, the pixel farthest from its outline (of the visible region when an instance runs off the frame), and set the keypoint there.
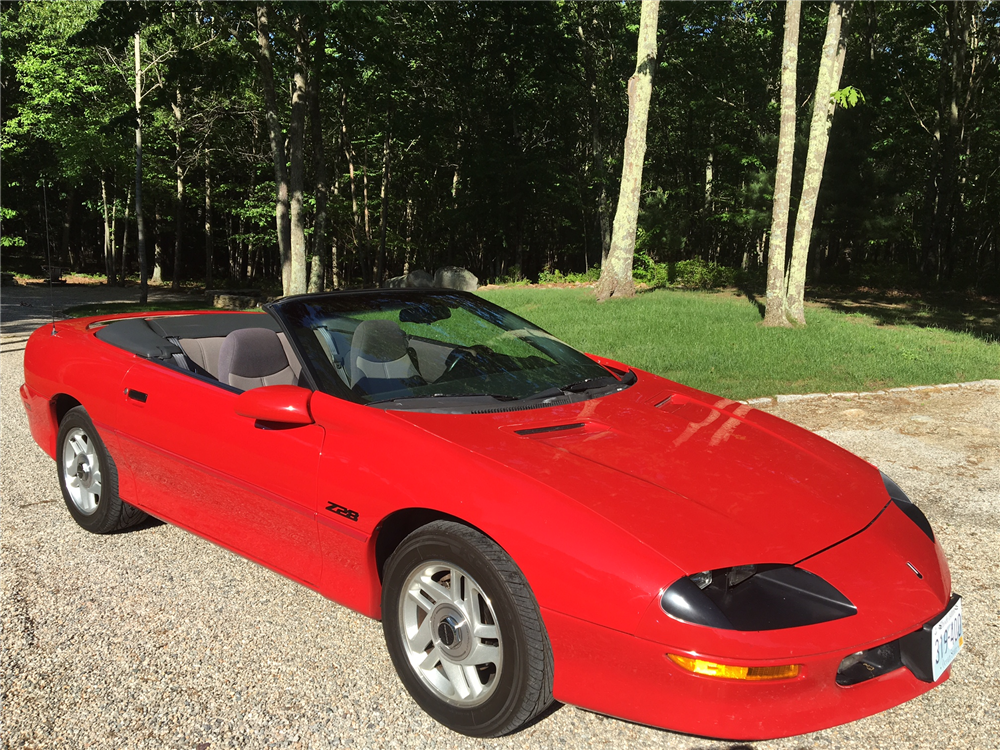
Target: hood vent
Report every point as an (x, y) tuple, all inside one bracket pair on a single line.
[(554, 428), (673, 400)]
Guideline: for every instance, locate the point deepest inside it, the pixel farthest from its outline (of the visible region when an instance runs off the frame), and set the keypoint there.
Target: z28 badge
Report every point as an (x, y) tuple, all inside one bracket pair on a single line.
[(340, 510)]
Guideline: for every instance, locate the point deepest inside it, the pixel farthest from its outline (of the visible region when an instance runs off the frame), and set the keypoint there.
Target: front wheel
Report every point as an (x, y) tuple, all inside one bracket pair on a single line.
[(464, 631), (88, 477)]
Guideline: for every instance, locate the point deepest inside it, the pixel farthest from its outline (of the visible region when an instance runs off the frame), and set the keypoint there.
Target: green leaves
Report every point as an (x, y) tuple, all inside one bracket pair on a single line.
[(847, 97)]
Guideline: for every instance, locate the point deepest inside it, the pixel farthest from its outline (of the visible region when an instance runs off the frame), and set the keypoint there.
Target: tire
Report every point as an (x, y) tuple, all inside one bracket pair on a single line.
[(483, 685), (89, 479)]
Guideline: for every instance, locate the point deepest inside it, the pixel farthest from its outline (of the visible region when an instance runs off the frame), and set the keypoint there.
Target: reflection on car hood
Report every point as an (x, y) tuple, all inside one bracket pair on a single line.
[(706, 481)]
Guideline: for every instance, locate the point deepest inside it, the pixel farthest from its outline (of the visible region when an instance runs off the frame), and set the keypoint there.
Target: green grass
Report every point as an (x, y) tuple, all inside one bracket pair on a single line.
[(714, 341)]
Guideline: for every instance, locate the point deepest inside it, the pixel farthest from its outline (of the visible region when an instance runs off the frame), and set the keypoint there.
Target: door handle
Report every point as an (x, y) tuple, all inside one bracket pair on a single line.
[(136, 395)]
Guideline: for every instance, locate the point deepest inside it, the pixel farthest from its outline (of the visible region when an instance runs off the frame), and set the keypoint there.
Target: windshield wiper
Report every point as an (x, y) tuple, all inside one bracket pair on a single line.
[(590, 384), (600, 381)]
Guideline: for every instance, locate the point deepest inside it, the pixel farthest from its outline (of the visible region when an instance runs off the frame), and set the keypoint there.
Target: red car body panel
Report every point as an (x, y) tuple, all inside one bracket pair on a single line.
[(653, 483)]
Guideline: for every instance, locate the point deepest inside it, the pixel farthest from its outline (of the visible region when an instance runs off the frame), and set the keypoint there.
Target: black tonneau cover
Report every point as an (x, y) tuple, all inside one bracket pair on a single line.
[(134, 335), (148, 337)]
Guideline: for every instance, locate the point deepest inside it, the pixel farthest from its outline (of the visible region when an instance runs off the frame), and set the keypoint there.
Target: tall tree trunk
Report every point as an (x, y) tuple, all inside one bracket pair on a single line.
[(774, 311), (408, 259), (209, 246), (334, 239), (616, 273), (599, 175), (830, 69), (348, 148), (121, 249), (140, 244), (456, 176), (65, 253), (281, 218), (157, 245), (297, 164), (246, 259), (117, 274), (109, 260), (317, 271), (384, 209), (345, 141), (175, 282), (367, 270), (954, 94)]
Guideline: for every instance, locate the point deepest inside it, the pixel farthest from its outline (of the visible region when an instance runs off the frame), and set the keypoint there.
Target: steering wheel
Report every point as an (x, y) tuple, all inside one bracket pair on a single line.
[(471, 358)]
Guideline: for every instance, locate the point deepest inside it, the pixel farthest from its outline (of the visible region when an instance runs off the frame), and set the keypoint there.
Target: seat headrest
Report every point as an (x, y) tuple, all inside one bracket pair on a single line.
[(250, 353), (379, 341)]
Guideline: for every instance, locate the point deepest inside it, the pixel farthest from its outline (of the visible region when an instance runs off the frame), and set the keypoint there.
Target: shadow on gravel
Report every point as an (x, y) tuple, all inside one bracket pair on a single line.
[(602, 717), (553, 707), (149, 523)]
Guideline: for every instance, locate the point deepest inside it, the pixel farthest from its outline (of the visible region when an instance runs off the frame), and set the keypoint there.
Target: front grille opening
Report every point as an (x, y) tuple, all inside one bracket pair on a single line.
[(867, 665)]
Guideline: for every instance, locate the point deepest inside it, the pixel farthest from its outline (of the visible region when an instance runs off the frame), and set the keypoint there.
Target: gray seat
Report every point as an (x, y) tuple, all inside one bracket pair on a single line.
[(252, 357), (380, 351)]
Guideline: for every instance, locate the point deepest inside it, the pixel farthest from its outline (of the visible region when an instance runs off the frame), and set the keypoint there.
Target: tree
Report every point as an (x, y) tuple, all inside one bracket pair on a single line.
[(480, 135), (831, 68), (616, 273), (785, 302), (317, 271), (139, 219), (60, 104), (774, 312), (277, 138), (297, 167)]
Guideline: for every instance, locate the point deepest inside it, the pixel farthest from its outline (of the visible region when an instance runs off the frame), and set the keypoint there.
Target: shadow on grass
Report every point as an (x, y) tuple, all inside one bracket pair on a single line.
[(978, 316), (751, 294)]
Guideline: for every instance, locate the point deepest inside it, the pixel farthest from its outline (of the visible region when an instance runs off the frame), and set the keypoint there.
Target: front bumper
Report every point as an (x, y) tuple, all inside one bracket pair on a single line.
[(900, 584), (632, 678)]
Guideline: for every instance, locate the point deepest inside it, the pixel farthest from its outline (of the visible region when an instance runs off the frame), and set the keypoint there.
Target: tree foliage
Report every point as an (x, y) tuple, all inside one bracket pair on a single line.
[(489, 135)]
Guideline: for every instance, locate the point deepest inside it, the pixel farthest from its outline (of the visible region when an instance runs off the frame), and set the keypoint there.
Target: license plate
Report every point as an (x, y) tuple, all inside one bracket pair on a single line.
[(946, 640)]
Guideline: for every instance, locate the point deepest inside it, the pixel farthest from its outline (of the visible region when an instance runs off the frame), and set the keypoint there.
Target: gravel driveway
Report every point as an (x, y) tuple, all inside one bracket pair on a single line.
[(156, 639)]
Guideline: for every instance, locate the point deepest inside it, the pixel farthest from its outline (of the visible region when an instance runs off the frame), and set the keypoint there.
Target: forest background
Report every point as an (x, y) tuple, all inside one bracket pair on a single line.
[(488, 136)]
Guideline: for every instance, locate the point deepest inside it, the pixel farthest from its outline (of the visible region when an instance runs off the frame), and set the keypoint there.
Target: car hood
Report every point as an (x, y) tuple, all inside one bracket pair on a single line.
[(705, 481)]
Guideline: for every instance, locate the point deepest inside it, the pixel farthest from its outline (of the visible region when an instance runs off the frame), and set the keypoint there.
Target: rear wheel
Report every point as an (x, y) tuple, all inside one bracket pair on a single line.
[(88, 477), (464, 631)]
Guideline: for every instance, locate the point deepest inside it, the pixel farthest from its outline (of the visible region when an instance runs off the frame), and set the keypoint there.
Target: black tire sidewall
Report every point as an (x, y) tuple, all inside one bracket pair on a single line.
[(494, 716), (106, 517)]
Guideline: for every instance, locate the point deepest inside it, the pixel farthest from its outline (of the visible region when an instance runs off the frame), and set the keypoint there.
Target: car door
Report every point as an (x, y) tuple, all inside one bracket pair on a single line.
[(199, 465)]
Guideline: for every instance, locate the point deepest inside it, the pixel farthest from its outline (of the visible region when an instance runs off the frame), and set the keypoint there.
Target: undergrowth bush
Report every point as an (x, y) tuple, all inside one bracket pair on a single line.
[(699, 274), (555, 276), (685, 274)]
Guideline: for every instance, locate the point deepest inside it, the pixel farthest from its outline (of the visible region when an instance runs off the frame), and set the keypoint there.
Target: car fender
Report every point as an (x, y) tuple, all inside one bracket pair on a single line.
[(590, 570)]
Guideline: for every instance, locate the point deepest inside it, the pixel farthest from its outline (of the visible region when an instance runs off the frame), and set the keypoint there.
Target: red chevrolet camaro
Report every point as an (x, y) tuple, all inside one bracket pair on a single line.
[(529, 523)]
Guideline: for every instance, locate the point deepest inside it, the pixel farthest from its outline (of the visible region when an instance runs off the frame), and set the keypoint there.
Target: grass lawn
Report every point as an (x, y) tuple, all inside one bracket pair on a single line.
[(714, 341)]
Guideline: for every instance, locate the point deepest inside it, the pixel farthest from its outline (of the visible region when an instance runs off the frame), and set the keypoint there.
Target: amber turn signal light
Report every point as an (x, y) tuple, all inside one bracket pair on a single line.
[(729, 672)]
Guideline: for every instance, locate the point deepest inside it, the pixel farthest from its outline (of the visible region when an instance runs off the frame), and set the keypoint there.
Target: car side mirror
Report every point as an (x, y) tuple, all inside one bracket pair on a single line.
[(285, 405)]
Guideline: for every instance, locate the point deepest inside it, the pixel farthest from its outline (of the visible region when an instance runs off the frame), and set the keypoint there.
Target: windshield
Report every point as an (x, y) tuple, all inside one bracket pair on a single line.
[(431, 350)]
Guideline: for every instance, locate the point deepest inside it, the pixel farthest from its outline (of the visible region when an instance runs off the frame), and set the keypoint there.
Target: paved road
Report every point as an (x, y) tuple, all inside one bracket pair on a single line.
[(25, 307), (156, 639)]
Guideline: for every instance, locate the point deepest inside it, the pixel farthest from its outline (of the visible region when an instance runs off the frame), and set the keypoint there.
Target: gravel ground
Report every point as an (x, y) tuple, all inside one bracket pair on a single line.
[(156, 639)]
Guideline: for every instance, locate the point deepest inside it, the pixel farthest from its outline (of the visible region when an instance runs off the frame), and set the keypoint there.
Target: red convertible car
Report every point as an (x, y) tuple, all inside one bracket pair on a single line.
[(529, 523)]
